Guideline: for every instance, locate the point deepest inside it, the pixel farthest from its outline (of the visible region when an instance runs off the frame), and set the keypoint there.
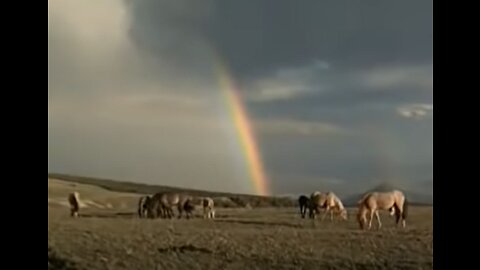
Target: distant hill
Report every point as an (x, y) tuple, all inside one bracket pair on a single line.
[(228, 199), (225, 198)]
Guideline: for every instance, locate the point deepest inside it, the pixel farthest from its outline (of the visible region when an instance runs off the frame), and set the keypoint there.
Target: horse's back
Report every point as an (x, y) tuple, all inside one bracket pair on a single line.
[(382, 200), (318, 199), (74, 198), (314, 194), (302, 200), (169, 198), (207, 202)]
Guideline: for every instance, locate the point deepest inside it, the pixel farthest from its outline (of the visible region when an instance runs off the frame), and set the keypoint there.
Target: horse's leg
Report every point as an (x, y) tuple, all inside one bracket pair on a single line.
[(205, 212), (167, 212), (160, 211), (179, 207), (326, 212), (331, 215), (372, 212), (378, 219)]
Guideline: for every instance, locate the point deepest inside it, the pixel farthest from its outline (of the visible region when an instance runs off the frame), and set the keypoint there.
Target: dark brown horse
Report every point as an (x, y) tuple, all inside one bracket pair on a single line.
[(143, 203), (304, 204)]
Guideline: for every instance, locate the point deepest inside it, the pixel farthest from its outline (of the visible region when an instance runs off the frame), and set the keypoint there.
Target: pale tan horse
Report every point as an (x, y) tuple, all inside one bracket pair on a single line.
[(317, 202), (208, 208), (394, 201), (74, 201), (333, 205), (143, 203), (162, 204)]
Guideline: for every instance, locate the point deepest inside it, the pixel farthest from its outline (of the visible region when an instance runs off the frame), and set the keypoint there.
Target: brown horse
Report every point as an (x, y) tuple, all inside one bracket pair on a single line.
[(304, 204), (317, 202), (74, 200), (393, 201)]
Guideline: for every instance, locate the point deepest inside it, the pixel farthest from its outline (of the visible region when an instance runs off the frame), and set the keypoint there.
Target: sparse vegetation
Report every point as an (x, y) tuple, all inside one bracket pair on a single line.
[(240, 238)]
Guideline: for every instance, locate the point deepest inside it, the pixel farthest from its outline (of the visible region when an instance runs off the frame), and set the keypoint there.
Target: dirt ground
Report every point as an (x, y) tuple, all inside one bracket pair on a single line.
[(269, 238)]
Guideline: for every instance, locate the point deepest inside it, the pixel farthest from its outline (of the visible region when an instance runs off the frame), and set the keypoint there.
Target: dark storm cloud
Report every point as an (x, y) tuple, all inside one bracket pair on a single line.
[(323, 82), (378, 53), (258, 37)]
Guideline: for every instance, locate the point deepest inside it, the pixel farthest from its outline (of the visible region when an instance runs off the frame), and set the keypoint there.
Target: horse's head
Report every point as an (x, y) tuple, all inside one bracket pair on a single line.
[(392, 211), (344, 214)]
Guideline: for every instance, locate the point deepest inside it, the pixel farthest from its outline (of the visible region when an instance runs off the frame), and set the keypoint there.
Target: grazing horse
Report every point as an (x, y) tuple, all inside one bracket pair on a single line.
[(208, 210), (74, 200), (304, 203), (143, 203), (334, 204), (393, 201), (317, 202), (188, 207), (162, 204)]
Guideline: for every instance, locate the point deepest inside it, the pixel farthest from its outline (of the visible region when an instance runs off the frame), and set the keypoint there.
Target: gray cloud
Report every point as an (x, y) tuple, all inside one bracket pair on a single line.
[(297, 128), (133, 92)]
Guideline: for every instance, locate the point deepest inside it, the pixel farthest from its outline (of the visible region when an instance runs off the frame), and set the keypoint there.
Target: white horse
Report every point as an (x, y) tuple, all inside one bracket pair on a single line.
[(74, 200), (208, 210), (393, 201), (334, 204)]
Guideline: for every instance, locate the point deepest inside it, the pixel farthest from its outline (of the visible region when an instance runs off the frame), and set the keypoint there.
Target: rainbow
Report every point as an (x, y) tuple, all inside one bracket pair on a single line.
[(243, 129)]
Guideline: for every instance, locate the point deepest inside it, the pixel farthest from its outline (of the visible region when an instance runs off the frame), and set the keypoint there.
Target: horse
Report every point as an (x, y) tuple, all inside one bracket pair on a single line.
[(304, 203), (393, 201), (208, 210), (162, 204), (334, 204), (317, 202), (74, 200), (188, 207), (143, 203)]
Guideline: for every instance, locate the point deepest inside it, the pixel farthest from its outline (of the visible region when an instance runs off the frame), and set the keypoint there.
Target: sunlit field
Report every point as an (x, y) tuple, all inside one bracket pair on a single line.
[(109, 235)]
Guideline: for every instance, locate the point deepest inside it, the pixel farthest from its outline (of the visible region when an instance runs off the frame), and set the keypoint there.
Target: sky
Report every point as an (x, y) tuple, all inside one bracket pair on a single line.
[(339, 93)]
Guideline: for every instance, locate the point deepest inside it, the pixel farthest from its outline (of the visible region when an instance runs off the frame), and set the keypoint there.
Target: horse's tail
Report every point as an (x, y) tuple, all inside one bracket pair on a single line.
[(403, 213), (405, 209)]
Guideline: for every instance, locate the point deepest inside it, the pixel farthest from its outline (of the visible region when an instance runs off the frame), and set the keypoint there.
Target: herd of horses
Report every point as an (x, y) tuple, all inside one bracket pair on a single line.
[(162, 205), (369, 205)]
